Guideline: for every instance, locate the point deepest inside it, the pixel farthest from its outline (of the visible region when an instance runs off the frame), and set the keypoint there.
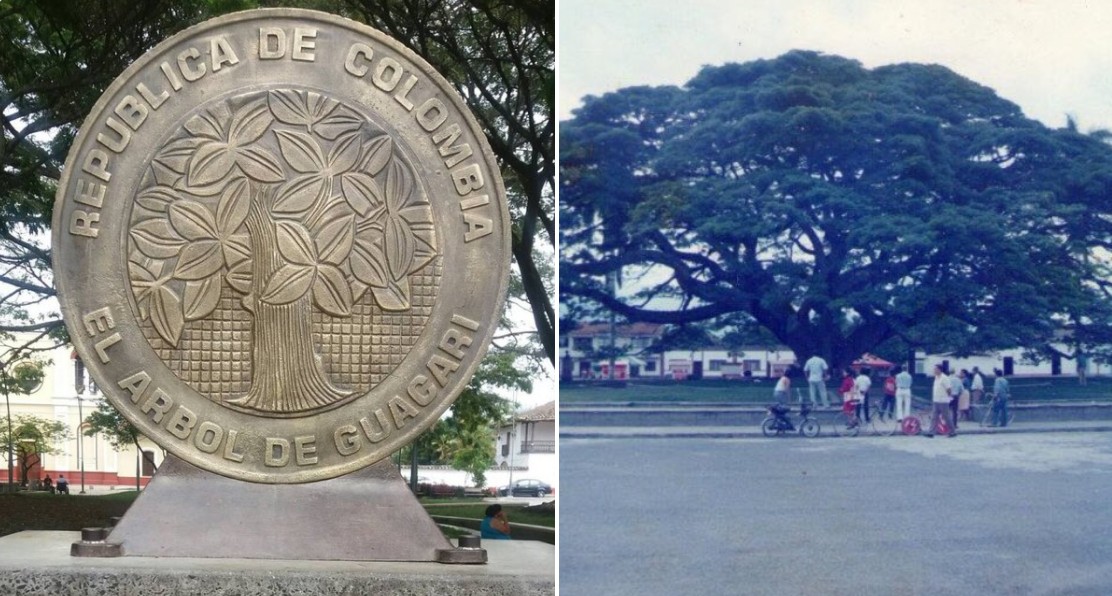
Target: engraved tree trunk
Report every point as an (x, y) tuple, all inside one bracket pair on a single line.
[(287, 375)]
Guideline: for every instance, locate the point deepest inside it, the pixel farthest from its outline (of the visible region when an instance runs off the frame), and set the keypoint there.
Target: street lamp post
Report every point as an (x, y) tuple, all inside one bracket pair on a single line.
[(11, 460), (79, 387)]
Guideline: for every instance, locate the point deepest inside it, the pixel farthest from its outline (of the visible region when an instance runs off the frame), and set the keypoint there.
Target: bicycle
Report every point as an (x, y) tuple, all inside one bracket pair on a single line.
[(880, 422), (778, 423), (921, 419), (990, 403)]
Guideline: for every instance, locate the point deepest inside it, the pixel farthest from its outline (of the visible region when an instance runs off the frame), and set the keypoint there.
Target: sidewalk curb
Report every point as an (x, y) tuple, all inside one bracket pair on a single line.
[(664, 433)]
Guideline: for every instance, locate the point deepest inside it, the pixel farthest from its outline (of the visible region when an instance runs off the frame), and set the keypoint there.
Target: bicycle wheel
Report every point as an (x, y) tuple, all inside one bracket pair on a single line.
[(769, 427), (911, 426), (986, 417), (846, 425), (884, 423), (809, 427)]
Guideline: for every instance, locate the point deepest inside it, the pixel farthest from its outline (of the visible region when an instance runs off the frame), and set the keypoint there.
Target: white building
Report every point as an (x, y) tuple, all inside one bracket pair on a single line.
[(528, 445), (58, 399)]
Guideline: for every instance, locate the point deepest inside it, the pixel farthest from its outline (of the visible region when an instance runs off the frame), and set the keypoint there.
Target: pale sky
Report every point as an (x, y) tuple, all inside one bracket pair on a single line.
[(1051, 58)]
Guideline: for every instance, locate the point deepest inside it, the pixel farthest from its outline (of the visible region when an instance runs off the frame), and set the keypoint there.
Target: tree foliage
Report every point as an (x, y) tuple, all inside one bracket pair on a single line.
[(57, 57), (31, 438), (840, 208), (500, 56)]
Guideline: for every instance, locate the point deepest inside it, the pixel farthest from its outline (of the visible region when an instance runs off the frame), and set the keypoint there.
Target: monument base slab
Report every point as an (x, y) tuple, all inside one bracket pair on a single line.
[(39, 563), (369, 515)]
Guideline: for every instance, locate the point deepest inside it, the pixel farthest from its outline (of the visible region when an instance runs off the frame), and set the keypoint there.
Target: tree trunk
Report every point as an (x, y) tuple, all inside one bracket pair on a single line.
[(287, 375)]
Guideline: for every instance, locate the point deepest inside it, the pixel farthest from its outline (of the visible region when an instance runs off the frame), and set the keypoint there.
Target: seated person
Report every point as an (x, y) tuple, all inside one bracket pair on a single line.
[(63, 485), (48, 484), (494, 525)]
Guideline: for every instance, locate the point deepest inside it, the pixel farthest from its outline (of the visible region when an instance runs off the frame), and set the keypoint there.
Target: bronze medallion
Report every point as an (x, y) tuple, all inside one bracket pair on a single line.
[(281, 245)]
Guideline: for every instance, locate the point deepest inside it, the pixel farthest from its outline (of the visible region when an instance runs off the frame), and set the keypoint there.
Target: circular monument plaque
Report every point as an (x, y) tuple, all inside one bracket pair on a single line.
[(281, 245)]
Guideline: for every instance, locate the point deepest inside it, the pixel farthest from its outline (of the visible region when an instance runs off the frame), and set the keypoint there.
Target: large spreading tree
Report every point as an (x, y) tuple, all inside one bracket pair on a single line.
[(840, 208)]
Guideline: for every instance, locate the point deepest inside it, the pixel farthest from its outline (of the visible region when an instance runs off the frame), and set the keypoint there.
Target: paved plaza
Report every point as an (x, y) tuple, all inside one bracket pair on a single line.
[(987, 514)]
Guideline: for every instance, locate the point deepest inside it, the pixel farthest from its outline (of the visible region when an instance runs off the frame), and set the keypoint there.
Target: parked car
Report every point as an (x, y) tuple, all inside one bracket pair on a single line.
[(527, 488)]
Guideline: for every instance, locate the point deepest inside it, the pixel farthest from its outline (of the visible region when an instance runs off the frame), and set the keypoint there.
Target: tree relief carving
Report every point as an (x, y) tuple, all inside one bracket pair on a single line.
[(295, 202)]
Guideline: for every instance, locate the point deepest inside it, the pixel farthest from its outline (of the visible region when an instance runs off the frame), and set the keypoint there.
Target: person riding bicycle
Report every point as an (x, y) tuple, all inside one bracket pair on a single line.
[(780, 411)]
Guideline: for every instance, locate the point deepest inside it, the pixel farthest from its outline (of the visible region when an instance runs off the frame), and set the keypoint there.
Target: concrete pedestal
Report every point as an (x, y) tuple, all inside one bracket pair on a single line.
[(34, 563), (369, 515)]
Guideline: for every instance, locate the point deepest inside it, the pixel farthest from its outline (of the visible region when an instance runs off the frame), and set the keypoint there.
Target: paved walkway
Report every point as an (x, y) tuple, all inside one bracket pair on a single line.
[(733, 432)]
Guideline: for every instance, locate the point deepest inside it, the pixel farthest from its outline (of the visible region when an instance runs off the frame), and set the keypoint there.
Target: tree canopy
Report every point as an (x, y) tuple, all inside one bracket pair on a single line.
[(841, 208), (57, 57)]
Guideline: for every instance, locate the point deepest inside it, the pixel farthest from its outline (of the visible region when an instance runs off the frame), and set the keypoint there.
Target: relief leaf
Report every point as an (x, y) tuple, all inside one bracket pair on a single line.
[(362, 193), (301, 151), (376, 154), (210, 164), (344, 153), (192, 220), (300, 194), (237, 248), (335, 239), (155, 238), (166, 315), (204, 125), (233, 206), (339, 122), (395, 296), (397, 187), (176, 154), (249, 123), (157, 198), (199, 260), (201, 298), (240, 276), (260, 164), (424, 249), (288, 283), (331, 292), (295, 244), (288, 106), (368, 263), (319, 106), (399, 244)]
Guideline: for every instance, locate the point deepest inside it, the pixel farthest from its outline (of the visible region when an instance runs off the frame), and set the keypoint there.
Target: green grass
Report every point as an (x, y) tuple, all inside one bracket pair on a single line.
[(759, 392), (515, 513), (44, 511)]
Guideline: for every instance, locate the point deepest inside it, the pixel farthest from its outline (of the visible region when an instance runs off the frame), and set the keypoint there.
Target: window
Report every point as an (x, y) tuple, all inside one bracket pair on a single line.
[(751, 365), (716, 365), (582, 343), (650, 366)]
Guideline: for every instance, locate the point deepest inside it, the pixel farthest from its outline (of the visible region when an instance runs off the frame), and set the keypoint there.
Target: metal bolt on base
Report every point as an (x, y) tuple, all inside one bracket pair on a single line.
[(469, 552), (94, 543)]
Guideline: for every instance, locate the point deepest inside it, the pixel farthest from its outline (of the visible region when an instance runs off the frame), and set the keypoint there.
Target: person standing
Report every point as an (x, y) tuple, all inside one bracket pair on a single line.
[(955, 396), (888, 406), (1003, 393), (817, 372), (940, 402), (977, 386), (862, 385), (783, 390), (964, 397), (903, 394)]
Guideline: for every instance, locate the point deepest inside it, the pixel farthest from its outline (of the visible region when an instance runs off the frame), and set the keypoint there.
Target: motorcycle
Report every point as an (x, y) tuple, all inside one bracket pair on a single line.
[(777, 423)]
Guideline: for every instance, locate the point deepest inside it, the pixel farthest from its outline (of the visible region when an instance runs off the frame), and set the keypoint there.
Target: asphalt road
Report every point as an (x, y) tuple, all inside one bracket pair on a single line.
[(989, 514)]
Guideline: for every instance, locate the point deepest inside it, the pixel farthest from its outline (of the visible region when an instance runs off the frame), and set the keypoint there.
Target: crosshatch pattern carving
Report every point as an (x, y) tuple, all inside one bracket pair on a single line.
[(282, 251), (357, 353)]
